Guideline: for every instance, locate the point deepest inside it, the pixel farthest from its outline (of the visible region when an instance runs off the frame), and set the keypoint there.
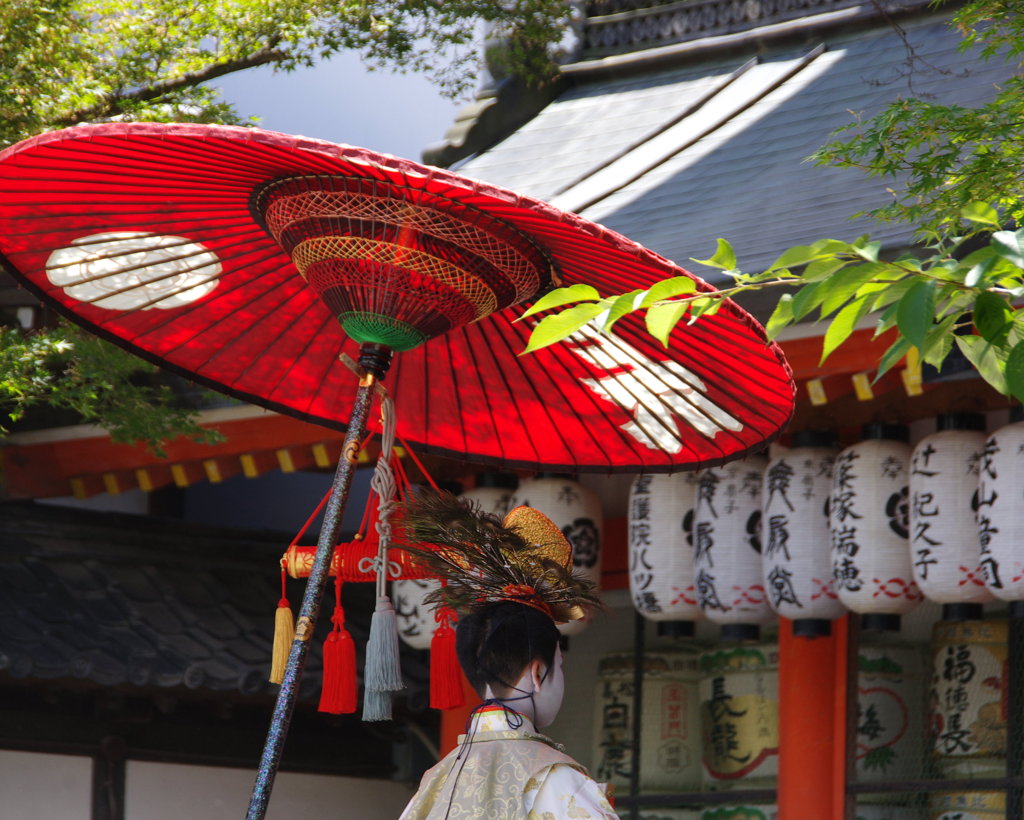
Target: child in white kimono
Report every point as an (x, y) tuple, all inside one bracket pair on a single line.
[(507, 645)]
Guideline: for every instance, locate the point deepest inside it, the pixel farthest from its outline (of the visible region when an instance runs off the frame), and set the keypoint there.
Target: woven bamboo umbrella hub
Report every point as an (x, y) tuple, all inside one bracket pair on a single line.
[(396, 265)]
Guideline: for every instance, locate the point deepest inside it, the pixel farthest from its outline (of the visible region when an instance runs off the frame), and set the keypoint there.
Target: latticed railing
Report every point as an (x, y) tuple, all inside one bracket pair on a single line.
[(620, 26)]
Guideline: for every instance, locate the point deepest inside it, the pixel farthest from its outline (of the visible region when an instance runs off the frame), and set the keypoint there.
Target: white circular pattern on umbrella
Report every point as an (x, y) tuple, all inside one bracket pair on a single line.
[(133, 270)]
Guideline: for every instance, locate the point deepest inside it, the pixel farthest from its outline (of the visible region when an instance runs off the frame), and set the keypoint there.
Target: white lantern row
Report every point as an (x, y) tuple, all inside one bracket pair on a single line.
[(872, 530), (869, 519), (727, 548), (795, 535)]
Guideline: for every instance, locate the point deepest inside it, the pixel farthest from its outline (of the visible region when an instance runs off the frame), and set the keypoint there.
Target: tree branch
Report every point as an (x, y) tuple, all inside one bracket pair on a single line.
[(116, 103)]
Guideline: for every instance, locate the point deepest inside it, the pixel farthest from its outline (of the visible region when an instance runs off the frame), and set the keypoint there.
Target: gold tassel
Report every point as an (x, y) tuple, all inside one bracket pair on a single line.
[(284, 634)]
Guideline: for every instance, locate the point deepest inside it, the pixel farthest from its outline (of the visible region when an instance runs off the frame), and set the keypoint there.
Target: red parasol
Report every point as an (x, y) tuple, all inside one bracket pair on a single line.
[(193, 245), (156, 237)]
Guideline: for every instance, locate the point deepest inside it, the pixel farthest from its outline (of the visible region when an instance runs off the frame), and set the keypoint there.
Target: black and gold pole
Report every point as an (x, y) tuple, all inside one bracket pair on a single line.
[(374, 361)]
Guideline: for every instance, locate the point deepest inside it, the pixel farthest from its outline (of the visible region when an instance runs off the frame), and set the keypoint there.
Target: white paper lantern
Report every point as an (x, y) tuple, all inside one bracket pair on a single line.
[(795, 536), (415, 618), (576, 510), (727, 548), (869, 518), (999, 504), (660, 547), (493, 492), (944, 545)]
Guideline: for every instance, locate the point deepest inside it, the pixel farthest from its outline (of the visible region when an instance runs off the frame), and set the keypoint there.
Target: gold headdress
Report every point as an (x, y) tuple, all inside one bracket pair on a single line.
[(482, 559)]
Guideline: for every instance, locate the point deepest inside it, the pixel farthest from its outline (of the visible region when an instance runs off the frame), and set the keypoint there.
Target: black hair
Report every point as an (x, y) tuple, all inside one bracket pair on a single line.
[(496, 643)]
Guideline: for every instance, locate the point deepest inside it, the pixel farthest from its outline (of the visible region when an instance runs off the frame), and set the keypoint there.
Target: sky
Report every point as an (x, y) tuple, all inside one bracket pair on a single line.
[(341, 101)]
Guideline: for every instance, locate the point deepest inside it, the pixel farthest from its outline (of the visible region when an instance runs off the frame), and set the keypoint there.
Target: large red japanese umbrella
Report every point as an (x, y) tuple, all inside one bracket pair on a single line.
[(249, 261)]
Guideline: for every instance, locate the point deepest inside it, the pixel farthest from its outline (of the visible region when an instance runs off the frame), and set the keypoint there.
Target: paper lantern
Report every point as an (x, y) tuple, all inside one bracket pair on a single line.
[(944, 545), (999, 503), (670, 722), (493, 492), (661, 549), (727, 548), (577, 511), (967, 697), (795, 535), (415, 618), (869, 520), (739, 712)]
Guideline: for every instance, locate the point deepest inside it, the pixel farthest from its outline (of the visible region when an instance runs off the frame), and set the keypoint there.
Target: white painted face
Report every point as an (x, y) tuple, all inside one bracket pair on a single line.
[(548, 694), (133, 270)]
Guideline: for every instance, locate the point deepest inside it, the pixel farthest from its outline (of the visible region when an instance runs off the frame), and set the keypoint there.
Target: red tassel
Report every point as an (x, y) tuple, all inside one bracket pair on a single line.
[(445, 674), (338, 695)]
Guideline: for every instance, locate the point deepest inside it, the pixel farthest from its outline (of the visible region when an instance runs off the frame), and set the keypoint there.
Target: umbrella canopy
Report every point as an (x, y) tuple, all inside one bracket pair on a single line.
[(240, 259)]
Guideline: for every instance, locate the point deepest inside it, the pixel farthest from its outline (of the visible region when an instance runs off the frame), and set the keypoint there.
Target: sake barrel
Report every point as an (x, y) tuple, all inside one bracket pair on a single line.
[(739, 713), (752, 812), (967, 697), (890, 712), (967, 806), (868, 811), (670, 726)]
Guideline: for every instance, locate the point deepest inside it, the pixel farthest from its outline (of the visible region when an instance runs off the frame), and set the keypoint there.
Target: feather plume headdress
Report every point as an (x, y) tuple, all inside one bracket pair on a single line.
[(483, 559)]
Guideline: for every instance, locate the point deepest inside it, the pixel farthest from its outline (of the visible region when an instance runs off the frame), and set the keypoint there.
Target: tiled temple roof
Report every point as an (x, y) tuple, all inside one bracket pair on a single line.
[(129, 600)]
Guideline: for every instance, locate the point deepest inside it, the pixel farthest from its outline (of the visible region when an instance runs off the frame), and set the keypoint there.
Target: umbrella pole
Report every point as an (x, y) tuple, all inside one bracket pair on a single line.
[(374, 361)]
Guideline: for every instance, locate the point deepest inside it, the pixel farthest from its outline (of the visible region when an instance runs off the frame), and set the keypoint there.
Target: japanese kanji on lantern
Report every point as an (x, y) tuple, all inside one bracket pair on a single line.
[(727, 548), (493, 491), (576, 510), (796, 559), (999, 502), (869, 519), (944, 545), (661, 551)]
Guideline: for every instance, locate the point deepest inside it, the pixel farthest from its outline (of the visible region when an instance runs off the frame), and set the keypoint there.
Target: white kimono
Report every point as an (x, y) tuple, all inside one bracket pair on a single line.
[(507, 774)]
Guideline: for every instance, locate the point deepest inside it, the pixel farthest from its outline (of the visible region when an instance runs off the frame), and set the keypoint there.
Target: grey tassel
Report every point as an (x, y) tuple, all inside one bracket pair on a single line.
[(383, 669), (376, 705)]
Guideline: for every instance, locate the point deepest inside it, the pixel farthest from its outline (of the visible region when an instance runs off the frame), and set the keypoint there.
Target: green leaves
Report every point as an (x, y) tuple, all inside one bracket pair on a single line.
[(1014, 371), (993, 317), (555, 328), (915, 312), (929, 301), (662, 319), (1010, 246), (980, 213), (562, 296), (67, 369), (724, 257)]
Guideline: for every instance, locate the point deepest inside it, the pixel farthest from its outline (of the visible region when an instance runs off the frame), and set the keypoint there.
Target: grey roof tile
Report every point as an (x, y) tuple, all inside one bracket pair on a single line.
[(85, 595), (746, 180)]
